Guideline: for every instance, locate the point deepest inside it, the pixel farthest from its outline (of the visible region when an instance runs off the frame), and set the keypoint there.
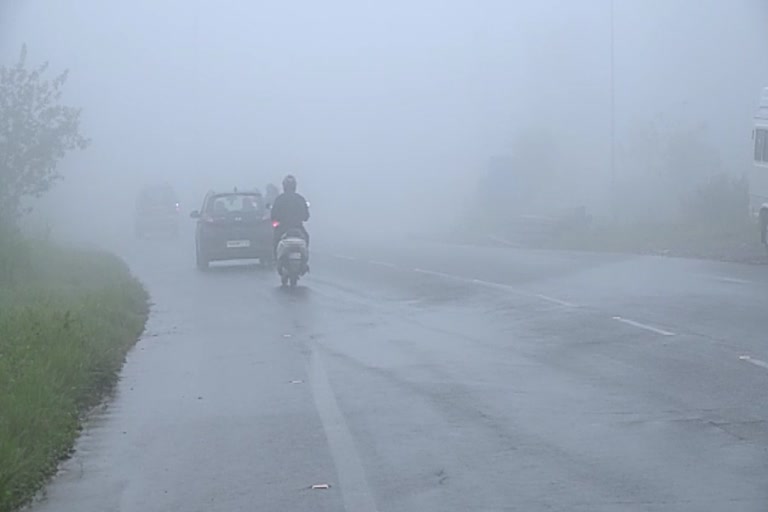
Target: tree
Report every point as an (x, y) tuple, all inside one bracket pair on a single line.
[(519, 181), (36, 132)]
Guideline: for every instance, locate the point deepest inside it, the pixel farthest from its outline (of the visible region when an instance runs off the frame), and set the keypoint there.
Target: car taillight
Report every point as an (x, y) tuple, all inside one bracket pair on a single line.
[(275, 223)]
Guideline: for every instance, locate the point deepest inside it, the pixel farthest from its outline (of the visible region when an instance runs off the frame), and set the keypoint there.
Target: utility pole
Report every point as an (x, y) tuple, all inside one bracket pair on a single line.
[(196, 105), (613, 192)]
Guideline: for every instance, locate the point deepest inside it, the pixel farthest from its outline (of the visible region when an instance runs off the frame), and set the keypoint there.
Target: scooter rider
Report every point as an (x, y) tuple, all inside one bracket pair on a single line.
[(290, 211)]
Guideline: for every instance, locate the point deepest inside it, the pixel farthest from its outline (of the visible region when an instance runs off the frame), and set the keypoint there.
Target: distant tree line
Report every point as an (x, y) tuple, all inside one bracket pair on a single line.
[(666, 175)]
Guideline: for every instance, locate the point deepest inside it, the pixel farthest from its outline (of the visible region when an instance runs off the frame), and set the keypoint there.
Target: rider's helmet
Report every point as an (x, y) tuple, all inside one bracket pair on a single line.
[(289, 183)]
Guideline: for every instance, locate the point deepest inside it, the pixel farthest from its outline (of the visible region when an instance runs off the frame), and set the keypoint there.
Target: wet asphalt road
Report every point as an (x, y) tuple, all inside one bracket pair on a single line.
[(421, 377)]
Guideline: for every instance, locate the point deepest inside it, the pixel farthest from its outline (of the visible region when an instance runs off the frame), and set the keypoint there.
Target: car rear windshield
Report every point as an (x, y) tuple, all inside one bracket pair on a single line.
[(224, 204)]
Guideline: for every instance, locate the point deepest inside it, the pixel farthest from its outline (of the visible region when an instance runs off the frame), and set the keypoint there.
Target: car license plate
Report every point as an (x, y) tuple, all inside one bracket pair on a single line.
[(236, 244), (294, 256)]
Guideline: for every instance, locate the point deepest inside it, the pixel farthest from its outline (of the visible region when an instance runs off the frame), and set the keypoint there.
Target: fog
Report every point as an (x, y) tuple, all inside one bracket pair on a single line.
[(387, 112), (535, 283)]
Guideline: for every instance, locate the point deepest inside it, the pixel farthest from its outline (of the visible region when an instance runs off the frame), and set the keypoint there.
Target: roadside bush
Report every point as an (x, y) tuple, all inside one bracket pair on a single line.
[(714, 224), (722, 200)]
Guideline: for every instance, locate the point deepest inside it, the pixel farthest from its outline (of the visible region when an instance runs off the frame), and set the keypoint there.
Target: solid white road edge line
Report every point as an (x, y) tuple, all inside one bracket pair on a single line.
[(646, 327), (353, 484)]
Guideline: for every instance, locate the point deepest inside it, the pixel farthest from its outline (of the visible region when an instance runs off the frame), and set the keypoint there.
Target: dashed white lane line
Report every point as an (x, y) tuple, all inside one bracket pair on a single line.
[(355, 491), (557, 301), (503, 241), (500, 286), (507, 288), (503, 287), (732, 280), (756, 362), (382, 264), (724, 279), (646, 327), (553, 300), (437, 274)]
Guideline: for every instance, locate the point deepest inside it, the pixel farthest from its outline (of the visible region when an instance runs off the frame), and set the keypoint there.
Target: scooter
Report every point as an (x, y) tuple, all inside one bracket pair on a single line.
[(292, 257)]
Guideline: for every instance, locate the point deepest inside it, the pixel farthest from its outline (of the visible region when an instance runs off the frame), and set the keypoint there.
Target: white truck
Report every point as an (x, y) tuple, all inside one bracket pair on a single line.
[(758, 179)]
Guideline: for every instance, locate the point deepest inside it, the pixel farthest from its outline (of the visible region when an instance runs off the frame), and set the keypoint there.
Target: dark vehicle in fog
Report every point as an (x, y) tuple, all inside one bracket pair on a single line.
[(157, 211), (232, 226)]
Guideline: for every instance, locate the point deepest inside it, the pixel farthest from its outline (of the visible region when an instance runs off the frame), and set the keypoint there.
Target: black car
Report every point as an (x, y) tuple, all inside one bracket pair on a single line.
[(232, 226), (157, 211)]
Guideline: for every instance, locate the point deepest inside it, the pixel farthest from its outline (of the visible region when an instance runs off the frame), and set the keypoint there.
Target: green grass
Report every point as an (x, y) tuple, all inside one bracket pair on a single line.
[(67, 319)]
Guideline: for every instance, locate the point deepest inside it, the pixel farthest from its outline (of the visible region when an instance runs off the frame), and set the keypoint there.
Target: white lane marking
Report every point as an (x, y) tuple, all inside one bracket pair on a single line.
[(756, 362), (639, 325), (342, 257), (500, 286), (510, 289), (382, 264), (555, 300), (502, 241), (733, 280), (723, 279), (438, 274), (355, 491)]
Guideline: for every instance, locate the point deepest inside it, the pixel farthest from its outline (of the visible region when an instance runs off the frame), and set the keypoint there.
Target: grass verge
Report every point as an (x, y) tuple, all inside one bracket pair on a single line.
[(67, 319), (736, 242)]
